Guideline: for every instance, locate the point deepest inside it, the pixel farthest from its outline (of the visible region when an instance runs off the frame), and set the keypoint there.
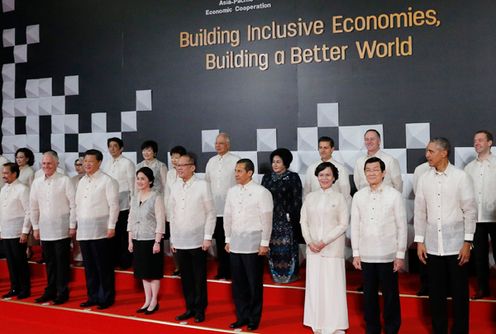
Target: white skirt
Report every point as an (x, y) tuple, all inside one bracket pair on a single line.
[(326, 309)]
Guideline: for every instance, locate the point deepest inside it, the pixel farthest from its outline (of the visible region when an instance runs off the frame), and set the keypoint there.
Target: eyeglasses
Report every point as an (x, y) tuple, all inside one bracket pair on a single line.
[(183, 165), (78, 165)]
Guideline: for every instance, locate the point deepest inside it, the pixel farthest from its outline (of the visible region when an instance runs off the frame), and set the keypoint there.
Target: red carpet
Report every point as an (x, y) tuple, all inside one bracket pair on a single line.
[(283, 308)]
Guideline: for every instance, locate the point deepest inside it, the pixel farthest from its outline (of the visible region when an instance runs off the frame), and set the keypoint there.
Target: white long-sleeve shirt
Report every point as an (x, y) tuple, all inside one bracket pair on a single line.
[(445, 211), (418, 172), (393, 172), (483, 174), (52, 206), (26, 175), (14, 210), (219, 172), (378, 225), (342, 185), (122, 170), (159, 172), (146, 219), (192, 214), (248, 218), (324, 217), (97, 206)]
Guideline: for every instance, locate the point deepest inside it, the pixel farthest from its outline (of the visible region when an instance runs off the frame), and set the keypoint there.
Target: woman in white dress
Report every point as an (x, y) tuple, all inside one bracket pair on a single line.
[(25, 159), (324, 219)]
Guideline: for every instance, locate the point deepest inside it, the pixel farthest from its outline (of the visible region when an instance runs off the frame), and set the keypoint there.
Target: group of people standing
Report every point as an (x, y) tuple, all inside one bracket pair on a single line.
[(125, 211)]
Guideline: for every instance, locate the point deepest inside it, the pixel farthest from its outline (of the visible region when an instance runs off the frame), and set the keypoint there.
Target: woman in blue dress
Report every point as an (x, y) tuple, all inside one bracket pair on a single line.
[(286, 190)]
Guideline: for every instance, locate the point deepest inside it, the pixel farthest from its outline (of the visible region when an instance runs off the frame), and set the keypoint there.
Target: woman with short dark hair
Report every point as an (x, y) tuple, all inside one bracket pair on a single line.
[(146, 227)]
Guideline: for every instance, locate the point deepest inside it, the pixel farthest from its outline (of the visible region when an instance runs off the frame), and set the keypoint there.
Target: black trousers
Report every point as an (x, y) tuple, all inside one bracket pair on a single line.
[(375, 275), (224, 267), (247, 286), (15, 252), (99, 271), (121, 256), (481, 253), (57, 255), (193, 264), (443, 269)]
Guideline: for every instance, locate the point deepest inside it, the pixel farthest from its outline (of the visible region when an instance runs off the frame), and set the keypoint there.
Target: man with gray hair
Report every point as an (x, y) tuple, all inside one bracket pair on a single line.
[(372, 141), (220, 174), (53, 215), (445, 216)]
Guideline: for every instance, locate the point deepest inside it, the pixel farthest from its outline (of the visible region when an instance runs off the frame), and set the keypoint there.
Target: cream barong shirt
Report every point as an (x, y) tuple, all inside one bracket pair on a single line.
[(248, 218), (378, 225), (192, 213), (14, 210), (483, 174), (393, 172), (97, 206), (220, 174), (445, 211), (53, 206), (122, 170)]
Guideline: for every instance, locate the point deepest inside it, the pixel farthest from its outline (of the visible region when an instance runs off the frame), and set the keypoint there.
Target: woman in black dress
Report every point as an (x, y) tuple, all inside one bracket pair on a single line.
[(146, 227), (286, 190)]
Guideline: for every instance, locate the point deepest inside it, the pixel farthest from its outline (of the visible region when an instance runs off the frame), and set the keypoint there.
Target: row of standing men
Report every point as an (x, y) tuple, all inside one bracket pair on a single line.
[(219, 178)]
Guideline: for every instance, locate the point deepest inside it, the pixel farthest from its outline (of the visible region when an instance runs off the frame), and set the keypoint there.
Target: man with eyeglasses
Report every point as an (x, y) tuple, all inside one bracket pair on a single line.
[(192, 223)]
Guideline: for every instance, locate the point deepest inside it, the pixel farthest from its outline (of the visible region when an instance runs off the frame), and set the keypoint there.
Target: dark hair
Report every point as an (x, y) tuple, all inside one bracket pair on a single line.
[(148, 173), (150, 144), (13, 167), (443, 143), (77, 160), (117, 140), (284, 154), (248, 164), (327, 164), (96, 153), (27, 153), (327, 139), (178, 150), (373, 160), (191, 157), (489, 135), (373, 130)]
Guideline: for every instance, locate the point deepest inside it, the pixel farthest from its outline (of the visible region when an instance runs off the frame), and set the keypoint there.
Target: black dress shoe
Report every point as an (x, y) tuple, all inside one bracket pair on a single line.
[(423, 291), (238, 324), (176, 273), (43, 299), (142, 310), (186, 315), (480, 294), (87, 303), (104, 306), (60, 300), (200, 317), (252, 326), (155, 309), (11, 293), (23, 295)]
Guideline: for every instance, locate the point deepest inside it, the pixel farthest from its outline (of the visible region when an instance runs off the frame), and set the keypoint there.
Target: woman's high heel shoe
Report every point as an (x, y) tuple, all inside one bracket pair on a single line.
[(155, 309)]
